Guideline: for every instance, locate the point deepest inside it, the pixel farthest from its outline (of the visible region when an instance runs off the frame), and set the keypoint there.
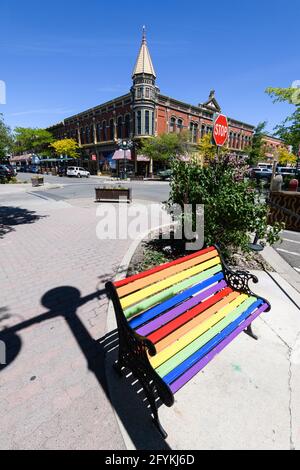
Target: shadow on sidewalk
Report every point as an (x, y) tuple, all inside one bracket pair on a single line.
[(11, 216), (127, 400)]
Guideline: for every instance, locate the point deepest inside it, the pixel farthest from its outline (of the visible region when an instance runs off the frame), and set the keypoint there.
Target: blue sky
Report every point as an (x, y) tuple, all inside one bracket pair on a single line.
[(61, 57)]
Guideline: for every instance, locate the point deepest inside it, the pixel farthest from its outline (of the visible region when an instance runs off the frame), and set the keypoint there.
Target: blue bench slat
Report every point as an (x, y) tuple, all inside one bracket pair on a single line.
[(184, 366), (160, 308)]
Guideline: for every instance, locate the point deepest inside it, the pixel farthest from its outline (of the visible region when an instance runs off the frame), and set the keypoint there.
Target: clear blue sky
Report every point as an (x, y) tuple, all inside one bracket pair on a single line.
[(61, 57)]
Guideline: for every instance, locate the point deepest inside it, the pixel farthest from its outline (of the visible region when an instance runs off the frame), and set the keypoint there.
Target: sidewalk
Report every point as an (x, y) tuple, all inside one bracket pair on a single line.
[(53, 392)]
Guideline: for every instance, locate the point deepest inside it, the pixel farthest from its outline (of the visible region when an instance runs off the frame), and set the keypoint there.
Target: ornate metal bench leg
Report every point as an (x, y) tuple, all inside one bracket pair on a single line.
[(150, 396), (250, 333), (118, 368)]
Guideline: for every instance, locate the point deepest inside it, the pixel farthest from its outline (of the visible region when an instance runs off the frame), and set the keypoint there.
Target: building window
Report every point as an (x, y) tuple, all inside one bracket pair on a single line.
[(202, 131), (180, 125), (104, 133), (148, 93), (82, 135), (139, 122), (111, 129), (194, 132), (153, 124), (87, 135), (92, 136), (139, 93), (127, 125), (172, 124), (120, 127), (98, 132), (147, 122)]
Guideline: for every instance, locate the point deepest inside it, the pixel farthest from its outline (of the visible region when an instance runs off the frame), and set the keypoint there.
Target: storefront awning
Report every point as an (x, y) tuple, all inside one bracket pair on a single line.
[(143, 158), (121, 155), (22, 158)]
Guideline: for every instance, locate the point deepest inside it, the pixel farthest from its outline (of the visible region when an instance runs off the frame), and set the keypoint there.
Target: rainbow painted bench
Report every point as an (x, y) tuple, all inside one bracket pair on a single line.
[(174, 319)]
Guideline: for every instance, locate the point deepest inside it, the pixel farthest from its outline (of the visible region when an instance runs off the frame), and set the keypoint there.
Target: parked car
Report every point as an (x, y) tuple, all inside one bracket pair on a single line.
[(62, 171), (286, 171), (261, 173), (12, 168), (165, 174), (78, 172), (6, 172)]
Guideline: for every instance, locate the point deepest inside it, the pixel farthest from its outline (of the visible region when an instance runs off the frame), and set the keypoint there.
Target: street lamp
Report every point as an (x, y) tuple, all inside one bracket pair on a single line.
[(125, 145)]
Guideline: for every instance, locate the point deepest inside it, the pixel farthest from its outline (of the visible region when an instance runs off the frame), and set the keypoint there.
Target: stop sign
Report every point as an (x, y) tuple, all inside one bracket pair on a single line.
[(220, 129)]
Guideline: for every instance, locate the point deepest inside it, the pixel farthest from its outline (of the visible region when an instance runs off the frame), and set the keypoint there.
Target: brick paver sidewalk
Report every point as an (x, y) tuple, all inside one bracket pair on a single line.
[(53, 306)]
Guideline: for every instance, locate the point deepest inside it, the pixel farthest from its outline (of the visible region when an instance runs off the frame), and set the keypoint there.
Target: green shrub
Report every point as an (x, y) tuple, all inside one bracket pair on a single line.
[(231, 205)]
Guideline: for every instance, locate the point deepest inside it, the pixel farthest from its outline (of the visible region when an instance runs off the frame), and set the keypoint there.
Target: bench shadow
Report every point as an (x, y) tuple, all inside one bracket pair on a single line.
[(11, 216), (125, 393)]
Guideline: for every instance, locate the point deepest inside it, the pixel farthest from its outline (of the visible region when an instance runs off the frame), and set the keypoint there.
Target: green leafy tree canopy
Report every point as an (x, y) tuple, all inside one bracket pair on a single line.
[(27, 139), (6, 140)]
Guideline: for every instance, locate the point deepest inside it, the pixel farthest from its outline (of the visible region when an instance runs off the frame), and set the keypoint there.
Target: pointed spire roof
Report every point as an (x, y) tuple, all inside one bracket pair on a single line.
[(144, 62)]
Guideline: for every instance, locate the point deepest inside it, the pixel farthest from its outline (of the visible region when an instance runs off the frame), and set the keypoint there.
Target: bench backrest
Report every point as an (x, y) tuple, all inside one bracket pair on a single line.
[(175, 281)]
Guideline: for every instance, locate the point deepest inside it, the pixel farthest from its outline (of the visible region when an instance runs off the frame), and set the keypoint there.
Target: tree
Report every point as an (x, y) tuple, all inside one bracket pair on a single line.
[(289, 129), (256, 150), (5, 139), (27, 139), (165, 146), (285, 157), (232, 210), (68, 147), (206, 149)]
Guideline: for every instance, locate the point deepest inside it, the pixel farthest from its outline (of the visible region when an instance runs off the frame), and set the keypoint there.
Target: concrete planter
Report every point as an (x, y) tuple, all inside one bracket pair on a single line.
[(37, 181), (113, 194), (285, 207)]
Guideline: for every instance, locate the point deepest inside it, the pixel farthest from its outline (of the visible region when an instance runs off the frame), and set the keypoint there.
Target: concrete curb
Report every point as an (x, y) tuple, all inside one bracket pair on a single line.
[(281, 267)]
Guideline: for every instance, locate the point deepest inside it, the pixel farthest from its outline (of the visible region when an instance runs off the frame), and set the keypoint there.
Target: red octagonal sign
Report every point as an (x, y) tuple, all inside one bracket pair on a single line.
[(220, 129)]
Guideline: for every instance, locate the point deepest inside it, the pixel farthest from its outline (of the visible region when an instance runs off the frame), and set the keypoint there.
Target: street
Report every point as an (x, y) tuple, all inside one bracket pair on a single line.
[(75, 188), (289, 249)]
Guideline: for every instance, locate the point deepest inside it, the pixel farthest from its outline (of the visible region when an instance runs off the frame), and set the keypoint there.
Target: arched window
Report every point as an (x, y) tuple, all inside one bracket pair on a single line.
[(111, 129), (139, 123), (92, 136), (98, 132), (147, 122), (120, 127), (194, 132), (180, 125), (87, 135), (172, 124), (104, 133), (82, 135), (127, 125)]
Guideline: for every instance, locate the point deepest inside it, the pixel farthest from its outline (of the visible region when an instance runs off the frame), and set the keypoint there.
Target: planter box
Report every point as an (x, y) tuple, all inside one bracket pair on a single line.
[(113, 194), (285, 207)]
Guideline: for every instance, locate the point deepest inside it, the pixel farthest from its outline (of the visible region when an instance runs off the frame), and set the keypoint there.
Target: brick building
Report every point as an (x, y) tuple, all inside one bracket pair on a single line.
[(141, 113)]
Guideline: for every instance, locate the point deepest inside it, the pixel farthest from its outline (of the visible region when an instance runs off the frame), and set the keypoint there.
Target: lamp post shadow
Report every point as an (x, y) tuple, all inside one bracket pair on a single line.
[(128, 401)]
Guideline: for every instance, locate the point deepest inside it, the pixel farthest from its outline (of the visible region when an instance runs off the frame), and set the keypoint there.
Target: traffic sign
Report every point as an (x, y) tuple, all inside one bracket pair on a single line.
[(220, 131)]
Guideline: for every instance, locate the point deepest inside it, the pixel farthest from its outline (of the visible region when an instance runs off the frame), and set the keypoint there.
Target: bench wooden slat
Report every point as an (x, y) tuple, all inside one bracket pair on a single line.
[(161, 267), (168, 293), (164, 274), (189, 315), (177, 299), (183, 307), (183, 360), (171, 338), (162, 285), (204, 361), (183, 341)]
